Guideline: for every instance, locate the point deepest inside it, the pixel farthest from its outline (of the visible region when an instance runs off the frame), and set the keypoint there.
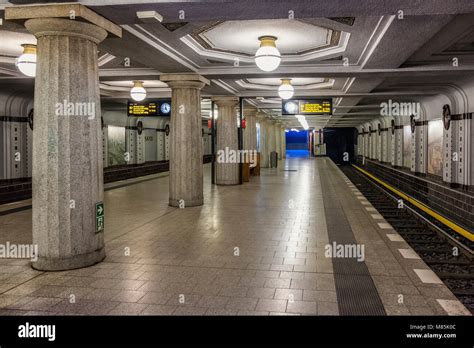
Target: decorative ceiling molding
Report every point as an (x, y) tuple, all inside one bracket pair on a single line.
[(124, 72), (104, 59), (160, 45), (334, 42), (331, 39), (11, 72), (225, 86), (377, 35), (8, 59), (313, 55), (245, 83), (106, 86)]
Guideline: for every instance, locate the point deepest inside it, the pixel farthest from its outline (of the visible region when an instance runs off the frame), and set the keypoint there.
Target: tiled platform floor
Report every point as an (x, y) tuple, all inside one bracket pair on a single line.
[(256, 249)]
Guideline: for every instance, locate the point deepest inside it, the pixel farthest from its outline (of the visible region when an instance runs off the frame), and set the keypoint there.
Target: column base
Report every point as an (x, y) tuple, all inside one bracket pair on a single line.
[(192, 203), (77, 261)]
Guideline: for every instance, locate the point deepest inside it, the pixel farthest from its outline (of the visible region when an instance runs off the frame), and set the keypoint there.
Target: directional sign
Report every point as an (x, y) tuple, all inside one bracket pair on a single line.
[(99, 217)]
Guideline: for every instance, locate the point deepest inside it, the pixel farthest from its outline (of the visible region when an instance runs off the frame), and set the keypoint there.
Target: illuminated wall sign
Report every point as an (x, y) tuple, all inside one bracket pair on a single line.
[(307, 107), (153, 108)]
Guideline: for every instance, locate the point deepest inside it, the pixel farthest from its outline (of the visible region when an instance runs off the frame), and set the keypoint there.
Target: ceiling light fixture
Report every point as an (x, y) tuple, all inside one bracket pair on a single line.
[(267, 56), (138, 92), (302, 121), (286, 90), (26, 63)]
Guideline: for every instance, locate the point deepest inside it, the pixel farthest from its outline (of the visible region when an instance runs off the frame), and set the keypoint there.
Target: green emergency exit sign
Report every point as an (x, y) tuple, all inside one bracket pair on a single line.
[(99, 217)]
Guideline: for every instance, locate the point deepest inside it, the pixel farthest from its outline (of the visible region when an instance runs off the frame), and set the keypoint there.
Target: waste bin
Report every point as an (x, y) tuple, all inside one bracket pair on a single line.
[(273, 159)]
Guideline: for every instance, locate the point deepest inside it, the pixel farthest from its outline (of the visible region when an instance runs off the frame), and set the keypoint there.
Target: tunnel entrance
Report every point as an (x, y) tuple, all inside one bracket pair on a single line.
[(297, 143), (338, 142)]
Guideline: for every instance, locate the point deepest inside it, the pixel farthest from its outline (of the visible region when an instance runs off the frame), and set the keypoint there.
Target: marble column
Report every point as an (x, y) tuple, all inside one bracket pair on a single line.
[(227, 167), (186, 168), (67, 148)]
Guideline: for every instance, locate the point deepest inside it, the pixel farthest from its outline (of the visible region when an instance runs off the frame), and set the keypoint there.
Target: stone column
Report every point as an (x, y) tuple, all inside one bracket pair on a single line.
[(271, 136), (278, 139), (186, 168), (250, 131), (264, 157), (227, 167), (283, 142), (67, 148)]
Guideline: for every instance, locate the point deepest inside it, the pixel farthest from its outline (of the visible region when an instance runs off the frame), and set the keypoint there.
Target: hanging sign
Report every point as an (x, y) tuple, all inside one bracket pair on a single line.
[(321, 106)]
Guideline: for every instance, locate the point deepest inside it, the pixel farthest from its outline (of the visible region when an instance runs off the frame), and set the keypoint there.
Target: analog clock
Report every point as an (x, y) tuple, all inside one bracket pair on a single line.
[(165, 108)]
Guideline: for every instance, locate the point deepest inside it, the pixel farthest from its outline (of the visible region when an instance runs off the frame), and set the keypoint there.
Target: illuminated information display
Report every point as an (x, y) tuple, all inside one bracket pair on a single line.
[(307, 107), (138, 109), (153, 108)]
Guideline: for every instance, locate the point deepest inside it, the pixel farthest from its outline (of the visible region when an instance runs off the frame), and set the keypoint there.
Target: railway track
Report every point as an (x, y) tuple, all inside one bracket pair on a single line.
[(447, 253)]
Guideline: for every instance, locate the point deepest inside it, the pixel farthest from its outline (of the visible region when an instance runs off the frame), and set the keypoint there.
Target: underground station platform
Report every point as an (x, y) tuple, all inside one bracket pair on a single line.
[(236, 169)]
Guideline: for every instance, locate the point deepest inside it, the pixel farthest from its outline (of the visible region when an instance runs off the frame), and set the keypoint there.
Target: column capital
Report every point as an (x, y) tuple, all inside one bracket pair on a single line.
[(62, 12), (185, 80), (250, 111), (225, 100), (40, 27)]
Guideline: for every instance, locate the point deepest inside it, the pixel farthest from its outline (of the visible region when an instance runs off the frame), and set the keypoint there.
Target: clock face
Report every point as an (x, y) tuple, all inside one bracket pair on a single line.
[(291, 107), (165, 108)]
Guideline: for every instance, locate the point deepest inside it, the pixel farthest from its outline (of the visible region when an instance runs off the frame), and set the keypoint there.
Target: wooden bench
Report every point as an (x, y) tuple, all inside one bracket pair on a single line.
[(249, 169)]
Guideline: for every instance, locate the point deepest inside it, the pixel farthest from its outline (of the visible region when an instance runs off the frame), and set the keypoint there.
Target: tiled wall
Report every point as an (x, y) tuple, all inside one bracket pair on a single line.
[(12, 190), (453, 204), (19, 189)]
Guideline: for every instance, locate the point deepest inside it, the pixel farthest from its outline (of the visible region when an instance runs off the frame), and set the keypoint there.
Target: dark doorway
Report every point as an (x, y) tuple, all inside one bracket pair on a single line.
[(340, 141)]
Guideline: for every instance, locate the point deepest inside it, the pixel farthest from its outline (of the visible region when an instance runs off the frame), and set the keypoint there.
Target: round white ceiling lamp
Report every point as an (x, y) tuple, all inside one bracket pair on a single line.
[(286, 90), (267, 56), (138, 92), (26, 63)]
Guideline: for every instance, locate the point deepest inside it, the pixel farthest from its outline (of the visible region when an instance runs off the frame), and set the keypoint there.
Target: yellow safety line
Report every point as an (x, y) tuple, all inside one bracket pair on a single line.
[(422, 206)]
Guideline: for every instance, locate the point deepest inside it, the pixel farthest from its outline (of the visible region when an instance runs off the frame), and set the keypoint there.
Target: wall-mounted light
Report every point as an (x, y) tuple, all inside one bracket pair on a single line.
[(267, 56), (26, 63), (138, 92), (286, 90)]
